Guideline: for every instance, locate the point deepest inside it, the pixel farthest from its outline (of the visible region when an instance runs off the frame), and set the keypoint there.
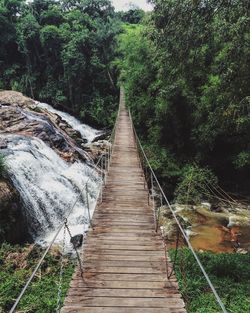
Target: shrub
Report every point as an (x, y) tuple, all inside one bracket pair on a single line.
[(193, 184), (229, 273), (16, 265)]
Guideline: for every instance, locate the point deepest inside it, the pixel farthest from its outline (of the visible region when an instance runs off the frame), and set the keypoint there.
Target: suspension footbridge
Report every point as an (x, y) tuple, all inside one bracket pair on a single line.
[(124, 263), (124, 266)]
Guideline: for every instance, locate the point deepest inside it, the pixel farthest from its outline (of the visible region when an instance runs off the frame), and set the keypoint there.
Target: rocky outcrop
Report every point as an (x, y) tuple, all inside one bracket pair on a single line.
[(21, 120), (102, 137), (12, 221), (97, 148), (14, 98), (21, 116)]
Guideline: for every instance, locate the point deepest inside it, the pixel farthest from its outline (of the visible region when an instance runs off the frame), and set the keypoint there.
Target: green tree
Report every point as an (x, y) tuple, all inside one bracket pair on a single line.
[(62, 53), (185, 74)]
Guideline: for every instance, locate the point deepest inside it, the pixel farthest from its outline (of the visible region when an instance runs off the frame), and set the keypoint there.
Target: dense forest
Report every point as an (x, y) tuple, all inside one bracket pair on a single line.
[(185, 68), (186, 72), (61, 52)]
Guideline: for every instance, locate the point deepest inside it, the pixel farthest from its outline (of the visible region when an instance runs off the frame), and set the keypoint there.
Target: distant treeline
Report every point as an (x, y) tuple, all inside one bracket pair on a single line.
[(61, 52), (186, 72)]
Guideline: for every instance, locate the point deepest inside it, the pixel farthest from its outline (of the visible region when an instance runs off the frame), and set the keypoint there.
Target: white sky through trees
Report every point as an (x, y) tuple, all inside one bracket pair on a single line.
[(123, 5)]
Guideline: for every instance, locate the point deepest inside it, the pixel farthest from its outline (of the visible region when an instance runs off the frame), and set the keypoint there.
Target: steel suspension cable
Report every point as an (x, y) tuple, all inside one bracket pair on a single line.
[(12, 310), (59, 292), (95, 166), (217, 297)]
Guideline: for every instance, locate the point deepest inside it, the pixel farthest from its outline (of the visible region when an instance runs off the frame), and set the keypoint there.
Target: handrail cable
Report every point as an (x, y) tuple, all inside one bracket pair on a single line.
[(177, 221), (12, 310), (48, 248)]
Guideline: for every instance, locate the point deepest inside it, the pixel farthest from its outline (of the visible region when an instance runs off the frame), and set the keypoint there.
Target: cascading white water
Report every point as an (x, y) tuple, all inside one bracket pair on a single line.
[(86, 131), (49, 186)]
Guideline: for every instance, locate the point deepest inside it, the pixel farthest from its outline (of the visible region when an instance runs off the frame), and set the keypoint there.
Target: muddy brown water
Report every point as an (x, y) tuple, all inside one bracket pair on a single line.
[(210, 231), (214, 238)]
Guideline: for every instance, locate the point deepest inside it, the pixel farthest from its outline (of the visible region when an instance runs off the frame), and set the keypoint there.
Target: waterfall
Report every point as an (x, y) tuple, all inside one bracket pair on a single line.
[(86, 131), (49, 186)]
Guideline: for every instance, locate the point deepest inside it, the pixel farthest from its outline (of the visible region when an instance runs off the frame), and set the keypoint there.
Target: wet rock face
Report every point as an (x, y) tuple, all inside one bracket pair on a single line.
[(12, 220), (19, 115)]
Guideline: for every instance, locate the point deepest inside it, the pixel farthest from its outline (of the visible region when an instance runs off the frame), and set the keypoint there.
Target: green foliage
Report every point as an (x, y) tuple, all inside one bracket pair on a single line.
[(193, 184), (185, 74), (103, 110), (242, 159), (133, 16), (17, 264), (229, 273), (61, 53), (2, 165)]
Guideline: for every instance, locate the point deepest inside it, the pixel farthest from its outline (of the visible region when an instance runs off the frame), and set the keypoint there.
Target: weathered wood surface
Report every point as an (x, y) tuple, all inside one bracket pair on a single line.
[(124, 260)]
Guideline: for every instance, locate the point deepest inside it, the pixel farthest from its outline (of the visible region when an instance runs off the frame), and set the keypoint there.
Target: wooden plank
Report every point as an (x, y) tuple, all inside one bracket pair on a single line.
[(122, 257), (119, 216), (127, 252), (123, 263), (121, 220), (131, 293), (101, 246), (125, 229), (126, 212), (116, 205), (122, 269), (130, 238), (80, 309), (112, 223), (117, 241), (123, 302), (123, 277), (166, 285)]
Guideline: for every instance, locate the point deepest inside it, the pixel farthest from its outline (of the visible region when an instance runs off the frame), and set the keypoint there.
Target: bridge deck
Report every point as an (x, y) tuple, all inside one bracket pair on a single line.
[(124, 267)]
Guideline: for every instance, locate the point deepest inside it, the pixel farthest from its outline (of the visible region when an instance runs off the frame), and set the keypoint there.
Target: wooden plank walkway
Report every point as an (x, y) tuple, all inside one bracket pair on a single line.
[(124, 262)]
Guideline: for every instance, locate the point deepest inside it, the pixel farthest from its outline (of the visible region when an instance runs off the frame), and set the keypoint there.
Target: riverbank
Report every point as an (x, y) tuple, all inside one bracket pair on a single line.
[(221, 239), (229, 273), (17, 264)]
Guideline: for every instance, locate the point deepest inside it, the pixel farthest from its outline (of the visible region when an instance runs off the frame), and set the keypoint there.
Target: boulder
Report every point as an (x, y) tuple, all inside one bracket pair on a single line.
[(3, 143), (10, 97), (241, 251), (95, 149), (216, 208), (77, 240), (21, 121), (103, 136)]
